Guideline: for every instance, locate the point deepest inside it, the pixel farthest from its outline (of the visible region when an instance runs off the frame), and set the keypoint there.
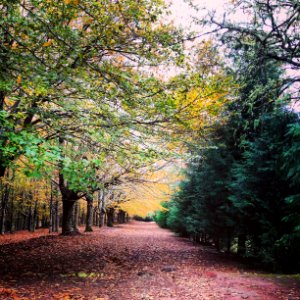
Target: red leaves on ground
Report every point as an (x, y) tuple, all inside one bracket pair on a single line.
[(8, 294), (134, 261), (22, 235)]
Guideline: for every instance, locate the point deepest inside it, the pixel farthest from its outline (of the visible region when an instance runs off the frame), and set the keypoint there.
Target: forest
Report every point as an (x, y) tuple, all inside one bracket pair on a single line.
[(114, 110), (241, 191)]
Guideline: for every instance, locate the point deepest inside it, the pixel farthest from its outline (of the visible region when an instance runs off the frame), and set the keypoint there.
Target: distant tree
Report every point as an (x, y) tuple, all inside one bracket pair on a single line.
[(272, 25)]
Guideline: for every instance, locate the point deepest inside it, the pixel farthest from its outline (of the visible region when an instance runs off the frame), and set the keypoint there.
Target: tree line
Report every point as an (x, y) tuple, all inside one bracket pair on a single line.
[(75, 109), (242, 187), (81, 108), (37, 204)]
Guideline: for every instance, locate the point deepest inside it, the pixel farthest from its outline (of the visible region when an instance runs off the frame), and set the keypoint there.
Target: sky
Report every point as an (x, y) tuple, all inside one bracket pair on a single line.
[(181, 15), (181, 11)]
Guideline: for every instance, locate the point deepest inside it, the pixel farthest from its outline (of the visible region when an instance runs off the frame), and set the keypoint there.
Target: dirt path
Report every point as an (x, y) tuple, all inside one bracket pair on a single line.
[(138, 261)]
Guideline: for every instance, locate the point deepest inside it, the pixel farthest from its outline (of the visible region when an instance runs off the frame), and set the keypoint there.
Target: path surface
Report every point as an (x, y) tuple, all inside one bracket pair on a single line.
[(137, 261)]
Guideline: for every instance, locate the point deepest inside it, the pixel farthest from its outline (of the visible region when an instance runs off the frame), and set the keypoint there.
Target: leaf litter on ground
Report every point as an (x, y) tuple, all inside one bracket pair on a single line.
[(129, 262)]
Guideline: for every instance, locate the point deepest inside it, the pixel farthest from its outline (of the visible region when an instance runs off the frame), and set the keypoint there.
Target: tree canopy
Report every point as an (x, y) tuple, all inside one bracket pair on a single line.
[(107, 101)]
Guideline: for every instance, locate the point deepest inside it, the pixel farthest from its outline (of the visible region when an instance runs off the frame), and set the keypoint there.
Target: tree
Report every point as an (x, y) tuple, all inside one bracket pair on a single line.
[(54, 59), (241, 184), (273, 27), (72, 69), (258, 187)]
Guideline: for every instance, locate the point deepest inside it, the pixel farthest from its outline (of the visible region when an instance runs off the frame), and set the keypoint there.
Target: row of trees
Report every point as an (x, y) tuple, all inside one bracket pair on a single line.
[(242, 187), (32, 204), (79, 107), (75, 108)]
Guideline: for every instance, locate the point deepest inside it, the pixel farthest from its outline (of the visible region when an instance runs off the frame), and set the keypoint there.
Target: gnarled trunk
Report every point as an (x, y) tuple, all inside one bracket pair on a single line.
[(68, 226), (69, 199)]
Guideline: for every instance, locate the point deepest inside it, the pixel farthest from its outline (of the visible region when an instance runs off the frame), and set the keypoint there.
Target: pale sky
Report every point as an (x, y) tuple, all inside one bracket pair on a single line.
[(181, 11), (181, 15)]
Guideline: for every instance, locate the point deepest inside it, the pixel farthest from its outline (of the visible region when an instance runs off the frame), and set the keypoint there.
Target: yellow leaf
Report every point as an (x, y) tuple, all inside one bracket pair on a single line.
[(74, 2), (14, 45), (19, 79), (48, 43)]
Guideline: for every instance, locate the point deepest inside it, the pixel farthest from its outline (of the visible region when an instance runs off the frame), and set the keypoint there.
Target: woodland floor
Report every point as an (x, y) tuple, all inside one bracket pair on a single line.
[(137, 261)]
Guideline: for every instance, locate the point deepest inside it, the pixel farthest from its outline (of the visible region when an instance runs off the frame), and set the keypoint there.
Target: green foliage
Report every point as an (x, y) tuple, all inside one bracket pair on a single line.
[(69, 71), (160, 216), (242, 183), (253, 195), (259, 190)]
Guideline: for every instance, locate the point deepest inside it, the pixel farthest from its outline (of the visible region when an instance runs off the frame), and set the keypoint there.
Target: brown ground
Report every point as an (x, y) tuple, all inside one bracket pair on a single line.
[(137, 261)]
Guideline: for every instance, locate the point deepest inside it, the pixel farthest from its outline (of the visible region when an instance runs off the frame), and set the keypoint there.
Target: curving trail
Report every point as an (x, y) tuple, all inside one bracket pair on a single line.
[(136, 261)]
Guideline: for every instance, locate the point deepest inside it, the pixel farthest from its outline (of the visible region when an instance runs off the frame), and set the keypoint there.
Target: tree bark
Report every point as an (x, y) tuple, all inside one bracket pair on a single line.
[(68, 226), (2, 170), (12, 213), (69, 199), (102, 218), (101, 205), (110, 217), (76, 215), (34, 217), (29, 219), (56, 227), (2, 167), (51, 210), (89, 214), (121, 217), (3, 210)]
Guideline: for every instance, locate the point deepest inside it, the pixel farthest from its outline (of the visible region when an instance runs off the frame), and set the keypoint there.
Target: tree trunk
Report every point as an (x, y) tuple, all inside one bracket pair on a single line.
[(242, 244), (56, 227), (12, 215), (105, 218), (68, 226), (51, 211), (101, 206), (3, 218), (95, 217), (29, 219), (69, 199), (76, 215), (89, 214), (102, 218), (4, 202), (121, 217), (110, 217), (34, 217), (53, 218), (2, 170), (228, 244)]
